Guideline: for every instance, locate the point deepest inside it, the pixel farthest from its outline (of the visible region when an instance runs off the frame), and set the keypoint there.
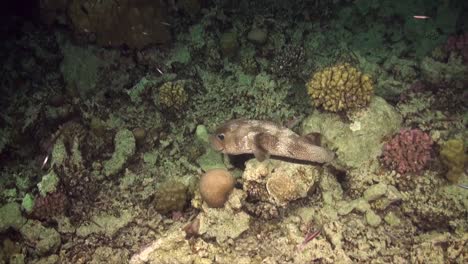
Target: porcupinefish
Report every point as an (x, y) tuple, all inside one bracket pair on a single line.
[(265, 138)]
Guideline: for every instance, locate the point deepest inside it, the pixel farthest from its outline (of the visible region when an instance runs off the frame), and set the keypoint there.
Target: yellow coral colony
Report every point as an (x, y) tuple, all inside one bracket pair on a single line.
[(172, 95), (340, 87), (453, 156)]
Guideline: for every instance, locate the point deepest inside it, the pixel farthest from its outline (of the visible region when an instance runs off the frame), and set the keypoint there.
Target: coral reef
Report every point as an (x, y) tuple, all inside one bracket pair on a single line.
[(105, 223), (358, 140), (140, 24), (215, 187), (118, 177), (10, 217), (80, 69), (453, 156), (459, 45), (408, 152), (340, 88), (45, 239), (171, 96), (288, 62), (279, 182), (170, 196), (241, 95), (229, 44), (48, 184), (11, 251), (125, 145), (53, 204), (110, 255), (28, 203), (210, 159), (224, 223), (257, 35), (427, 248), (431, 206), (449, 72), (430, 111), (165, 250)]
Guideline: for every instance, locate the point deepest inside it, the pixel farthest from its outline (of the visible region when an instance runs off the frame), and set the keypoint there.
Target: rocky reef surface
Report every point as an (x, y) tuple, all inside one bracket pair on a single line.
[(108, 106)]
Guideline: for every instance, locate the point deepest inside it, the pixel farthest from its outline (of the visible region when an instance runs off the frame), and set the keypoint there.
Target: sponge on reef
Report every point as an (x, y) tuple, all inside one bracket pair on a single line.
[(340, 88), (453, 156)]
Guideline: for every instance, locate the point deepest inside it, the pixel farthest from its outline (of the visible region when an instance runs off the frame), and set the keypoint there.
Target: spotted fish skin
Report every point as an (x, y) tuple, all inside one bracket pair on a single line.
[(265, 138)]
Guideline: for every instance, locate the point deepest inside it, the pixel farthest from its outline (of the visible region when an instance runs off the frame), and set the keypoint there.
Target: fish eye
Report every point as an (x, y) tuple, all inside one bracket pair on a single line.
[(220, 137)]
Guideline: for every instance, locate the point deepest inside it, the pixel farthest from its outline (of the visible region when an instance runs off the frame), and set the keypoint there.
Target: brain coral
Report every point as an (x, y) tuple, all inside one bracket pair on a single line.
[(171, 96), (340, 87), (408, 151)]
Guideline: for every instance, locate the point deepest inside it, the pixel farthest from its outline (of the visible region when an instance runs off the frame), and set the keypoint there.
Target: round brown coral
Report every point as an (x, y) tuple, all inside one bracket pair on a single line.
[(340, 88), (215, 187)]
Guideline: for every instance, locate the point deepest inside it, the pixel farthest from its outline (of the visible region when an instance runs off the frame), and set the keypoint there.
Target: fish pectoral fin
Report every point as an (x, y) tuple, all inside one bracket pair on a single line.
[(261, 143), (313, 138), (261, 155)]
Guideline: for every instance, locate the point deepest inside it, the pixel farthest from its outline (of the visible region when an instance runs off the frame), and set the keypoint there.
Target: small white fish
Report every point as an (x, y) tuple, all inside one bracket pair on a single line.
[(159, 71), (45, 161), (421, 17)]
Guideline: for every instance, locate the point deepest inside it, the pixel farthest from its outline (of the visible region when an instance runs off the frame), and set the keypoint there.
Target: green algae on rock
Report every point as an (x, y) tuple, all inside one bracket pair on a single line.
[(48, 184), (10, 216), (45, 239), (105, 223), (227, 222), (359, 140), (125, 146), (27, 203)]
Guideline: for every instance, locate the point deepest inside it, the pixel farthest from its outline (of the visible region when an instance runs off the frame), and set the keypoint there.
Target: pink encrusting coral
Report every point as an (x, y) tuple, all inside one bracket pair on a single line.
[(408, 152)]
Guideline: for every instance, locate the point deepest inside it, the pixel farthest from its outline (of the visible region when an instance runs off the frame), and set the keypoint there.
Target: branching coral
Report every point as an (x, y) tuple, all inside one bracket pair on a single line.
[(340, 88), (408, 152)]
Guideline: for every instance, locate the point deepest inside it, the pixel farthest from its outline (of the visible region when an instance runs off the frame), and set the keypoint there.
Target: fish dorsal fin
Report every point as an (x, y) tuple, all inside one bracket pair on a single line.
[(313, 138)]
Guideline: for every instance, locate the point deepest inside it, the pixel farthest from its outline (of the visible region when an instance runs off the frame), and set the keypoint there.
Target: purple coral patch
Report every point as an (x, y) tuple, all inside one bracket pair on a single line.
[(408, 152)]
